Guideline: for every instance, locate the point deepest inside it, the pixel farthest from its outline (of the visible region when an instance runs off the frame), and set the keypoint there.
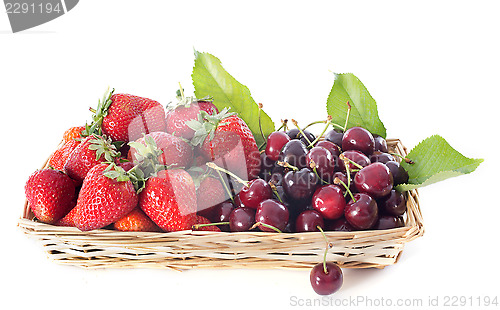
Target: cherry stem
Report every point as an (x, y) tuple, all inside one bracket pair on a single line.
[(237, 178), (196, 226), (348, 114), (328, 246), (348, 190), (287, 165), (275, 191), (260, 123), (283, 125), (302, 132), (313, 166), (345, 159), (328, 122), (228, 191), (406, 160), (265, 225)]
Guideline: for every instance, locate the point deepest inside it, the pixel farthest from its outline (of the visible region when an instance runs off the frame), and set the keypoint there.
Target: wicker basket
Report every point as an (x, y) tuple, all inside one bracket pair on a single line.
[(203, 249)]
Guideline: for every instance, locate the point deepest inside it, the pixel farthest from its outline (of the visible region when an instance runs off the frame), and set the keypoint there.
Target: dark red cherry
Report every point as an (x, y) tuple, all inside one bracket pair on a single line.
[(358, 138), (334, 136), (300, 185), (309, 220), (340, 224), (326, 283), (399, 174), (393, 204), (388, 222), (222, 213), (380, 157), (362, 212), (329, 201), (275, 142), (294, 133), (256, 191), (322, 159), (241, 219), (294, 153), (266, 163), (343, 177), (357, 157), (332, 147), (380, 144), (374, 180), (273, 213)]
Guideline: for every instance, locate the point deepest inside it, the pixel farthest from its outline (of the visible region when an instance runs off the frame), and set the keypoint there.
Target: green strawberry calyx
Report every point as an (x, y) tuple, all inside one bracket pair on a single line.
[(103, 147), (206, 125), (99, 114)]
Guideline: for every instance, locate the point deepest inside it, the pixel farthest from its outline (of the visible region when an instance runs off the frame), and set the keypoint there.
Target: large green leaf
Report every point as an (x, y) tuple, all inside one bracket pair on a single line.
[(348, 88), (211, 79), (435, 160)]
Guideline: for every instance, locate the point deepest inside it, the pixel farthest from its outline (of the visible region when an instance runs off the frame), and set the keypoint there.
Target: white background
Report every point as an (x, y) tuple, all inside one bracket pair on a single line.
[(432, 66)]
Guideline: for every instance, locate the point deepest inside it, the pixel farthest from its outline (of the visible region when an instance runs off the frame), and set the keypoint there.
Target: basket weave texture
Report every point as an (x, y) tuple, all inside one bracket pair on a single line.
[(204, 249)]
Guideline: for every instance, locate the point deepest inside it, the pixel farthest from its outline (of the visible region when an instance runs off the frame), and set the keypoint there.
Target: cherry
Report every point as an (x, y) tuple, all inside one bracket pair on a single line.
[(275, 142), (375, 180), (266, 163), (329, 201), (399, 174), (393, 204), (355, 156), (276, 178), (295, 133), (326, 283), (381, 157), (362, 212), (358, 138), (343, 177), (388, 222), (273, 213), (332, 147), (241, 219), (380, 143), (334, 136), (300, 185), (256, 191), (321, 159), (309, 220), (221, 213), (340, 224), (294, 153)]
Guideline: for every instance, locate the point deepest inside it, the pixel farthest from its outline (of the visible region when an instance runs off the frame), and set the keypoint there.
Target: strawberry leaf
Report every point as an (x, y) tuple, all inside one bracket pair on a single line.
[(435, 160), (211, 79), (348, 88)]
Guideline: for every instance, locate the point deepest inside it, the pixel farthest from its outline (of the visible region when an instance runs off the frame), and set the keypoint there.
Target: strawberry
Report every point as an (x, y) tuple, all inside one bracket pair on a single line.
[(226, 139), (186, 110), (136, 220), (169, 199), (50, 194), (60, 156), (126, 118), (91, 151), (68, 219), (107, 195), (175, 151), (209, 193), (204, 220), (73, 133)]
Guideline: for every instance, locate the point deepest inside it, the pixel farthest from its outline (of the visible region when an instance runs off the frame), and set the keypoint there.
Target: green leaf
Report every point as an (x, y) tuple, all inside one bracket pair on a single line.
[(211, 79), (435, 160), (348, 88)]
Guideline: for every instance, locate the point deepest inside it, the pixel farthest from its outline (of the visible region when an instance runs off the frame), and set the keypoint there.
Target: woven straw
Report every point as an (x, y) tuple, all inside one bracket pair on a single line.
[(204, 249)]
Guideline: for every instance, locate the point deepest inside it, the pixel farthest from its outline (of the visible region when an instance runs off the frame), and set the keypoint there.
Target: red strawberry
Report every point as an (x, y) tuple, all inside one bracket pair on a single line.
[(204, 220), (91, 151), (60, 156), (136, 220), (209, 193), (68, 219), (187, 110), (226, 139), (73, 133), (126, 117), (50, 194), (169, 199), (107, 195), (175, 151)]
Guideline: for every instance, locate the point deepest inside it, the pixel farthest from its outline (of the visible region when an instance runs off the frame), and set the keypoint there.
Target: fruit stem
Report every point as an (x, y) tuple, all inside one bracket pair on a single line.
[(283, 125), (275, 191), (196, 226), (328, 122), (265, 225), (313, 166), (260, 122), (181, 91), (406, 160), (328, 246), (348, 160), (348, 190), (348, 114), (237, 178), (228, 191), (287, 165), (300, 130)]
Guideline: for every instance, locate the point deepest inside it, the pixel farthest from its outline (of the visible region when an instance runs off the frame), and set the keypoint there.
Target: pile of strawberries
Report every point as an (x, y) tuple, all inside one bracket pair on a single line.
[(137, 167)]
